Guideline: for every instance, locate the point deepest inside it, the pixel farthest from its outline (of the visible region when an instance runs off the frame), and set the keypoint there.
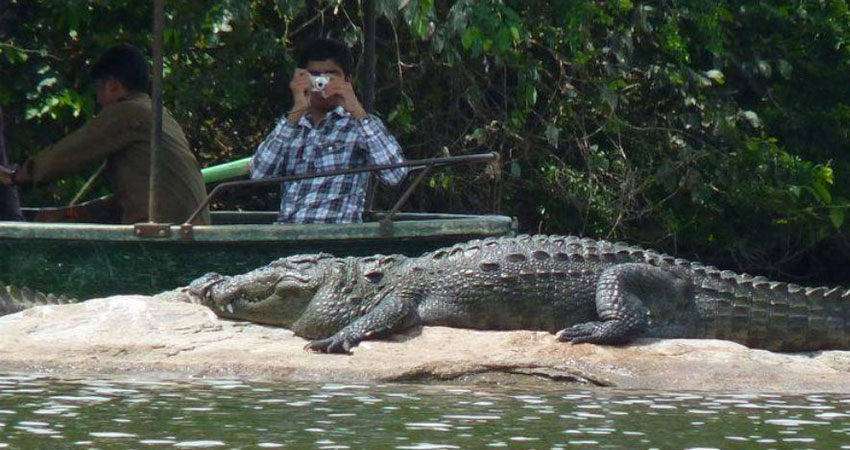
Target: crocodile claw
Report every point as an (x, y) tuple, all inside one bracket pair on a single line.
[(583, 332), (609, 332), (333, 344)]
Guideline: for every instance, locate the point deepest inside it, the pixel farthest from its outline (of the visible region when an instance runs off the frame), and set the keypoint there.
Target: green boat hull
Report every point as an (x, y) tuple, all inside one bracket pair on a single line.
[(93, 260)]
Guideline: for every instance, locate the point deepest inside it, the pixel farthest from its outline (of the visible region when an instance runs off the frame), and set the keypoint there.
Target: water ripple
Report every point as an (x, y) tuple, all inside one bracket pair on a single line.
[(41, 412)]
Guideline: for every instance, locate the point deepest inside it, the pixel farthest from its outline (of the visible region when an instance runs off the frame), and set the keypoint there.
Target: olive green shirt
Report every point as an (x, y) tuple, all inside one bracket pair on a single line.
[(121, 135)]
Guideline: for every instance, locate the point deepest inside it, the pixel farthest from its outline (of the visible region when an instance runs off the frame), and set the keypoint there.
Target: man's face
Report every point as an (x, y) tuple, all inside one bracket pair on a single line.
[(108, 91), (326, 67)]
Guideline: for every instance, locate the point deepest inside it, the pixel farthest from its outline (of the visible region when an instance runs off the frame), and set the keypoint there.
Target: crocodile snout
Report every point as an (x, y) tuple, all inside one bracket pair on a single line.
[(200, 290)]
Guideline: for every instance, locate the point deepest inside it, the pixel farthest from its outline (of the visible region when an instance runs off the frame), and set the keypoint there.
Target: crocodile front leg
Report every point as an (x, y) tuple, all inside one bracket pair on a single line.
[(622, 294), (394, 313)]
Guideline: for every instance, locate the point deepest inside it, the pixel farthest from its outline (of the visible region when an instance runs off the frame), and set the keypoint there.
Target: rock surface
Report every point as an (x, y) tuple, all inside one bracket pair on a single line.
[(161, 336)]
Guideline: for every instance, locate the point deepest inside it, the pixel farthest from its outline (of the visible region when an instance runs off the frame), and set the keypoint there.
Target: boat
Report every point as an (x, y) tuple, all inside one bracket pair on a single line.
[(66, 251), (87, 260)]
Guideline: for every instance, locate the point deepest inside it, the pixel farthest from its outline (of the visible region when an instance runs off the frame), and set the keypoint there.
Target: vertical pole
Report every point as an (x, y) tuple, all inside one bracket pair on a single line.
[(369, 55), (369, 80), (10, 207), (156, 98)]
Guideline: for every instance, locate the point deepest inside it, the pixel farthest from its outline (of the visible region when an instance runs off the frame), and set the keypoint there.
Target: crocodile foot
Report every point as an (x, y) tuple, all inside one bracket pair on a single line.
[(333, 344), (592, 332)]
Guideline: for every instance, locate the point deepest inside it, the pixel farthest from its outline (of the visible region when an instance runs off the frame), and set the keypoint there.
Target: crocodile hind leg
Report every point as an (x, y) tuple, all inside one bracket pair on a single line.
[(623, 293)]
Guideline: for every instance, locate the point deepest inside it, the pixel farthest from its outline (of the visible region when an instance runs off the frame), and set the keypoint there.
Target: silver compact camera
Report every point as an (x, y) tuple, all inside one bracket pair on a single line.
[(319, 82)]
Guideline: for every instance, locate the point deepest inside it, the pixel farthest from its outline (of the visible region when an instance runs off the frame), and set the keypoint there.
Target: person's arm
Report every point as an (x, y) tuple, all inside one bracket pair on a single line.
[(271, 154), (111, 130), (382, 148), (7, 176), (300, 85), (342, 89)]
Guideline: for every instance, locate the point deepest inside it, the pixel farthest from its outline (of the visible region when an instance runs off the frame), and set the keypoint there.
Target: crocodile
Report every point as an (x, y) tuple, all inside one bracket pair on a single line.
[(585, 290)]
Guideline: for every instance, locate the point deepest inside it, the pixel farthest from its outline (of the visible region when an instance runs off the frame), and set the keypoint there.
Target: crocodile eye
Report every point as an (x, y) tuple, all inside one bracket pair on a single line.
[(374, 276)]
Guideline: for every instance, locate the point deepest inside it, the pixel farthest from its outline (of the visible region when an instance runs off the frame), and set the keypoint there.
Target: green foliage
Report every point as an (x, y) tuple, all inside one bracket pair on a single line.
[(714, 128)]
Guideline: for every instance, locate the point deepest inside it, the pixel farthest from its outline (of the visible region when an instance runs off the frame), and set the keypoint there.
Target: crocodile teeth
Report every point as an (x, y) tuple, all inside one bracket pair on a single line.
[(230, 308)]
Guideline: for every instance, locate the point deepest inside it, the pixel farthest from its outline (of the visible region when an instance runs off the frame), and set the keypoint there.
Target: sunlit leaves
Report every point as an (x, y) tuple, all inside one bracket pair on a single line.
[(12, 54)]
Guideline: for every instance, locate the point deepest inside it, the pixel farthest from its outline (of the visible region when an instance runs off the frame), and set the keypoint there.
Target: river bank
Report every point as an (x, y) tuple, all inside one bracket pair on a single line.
[(160, 335)]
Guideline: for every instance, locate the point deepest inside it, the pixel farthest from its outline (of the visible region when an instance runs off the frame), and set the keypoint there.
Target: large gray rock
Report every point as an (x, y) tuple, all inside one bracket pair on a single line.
[(156, 335)]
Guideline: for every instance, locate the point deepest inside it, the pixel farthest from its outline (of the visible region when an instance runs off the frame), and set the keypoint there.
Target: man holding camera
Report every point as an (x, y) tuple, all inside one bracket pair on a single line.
[(327, 129)]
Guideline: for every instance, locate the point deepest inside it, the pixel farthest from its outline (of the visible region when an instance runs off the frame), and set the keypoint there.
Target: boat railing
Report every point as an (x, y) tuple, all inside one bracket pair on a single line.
[(422, 165)]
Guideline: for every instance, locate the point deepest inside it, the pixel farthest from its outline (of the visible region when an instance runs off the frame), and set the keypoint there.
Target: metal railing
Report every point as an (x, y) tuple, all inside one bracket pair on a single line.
[(421, 164)]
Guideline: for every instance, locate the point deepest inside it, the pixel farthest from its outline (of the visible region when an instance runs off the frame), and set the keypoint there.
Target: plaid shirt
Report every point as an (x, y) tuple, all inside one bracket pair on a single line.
[(339, 142)]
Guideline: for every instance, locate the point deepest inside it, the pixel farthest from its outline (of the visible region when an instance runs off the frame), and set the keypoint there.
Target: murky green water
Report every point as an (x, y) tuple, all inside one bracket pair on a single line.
[(40, 412)]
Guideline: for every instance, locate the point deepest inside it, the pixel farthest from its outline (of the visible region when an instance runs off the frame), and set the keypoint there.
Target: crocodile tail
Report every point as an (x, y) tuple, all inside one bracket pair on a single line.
[(13, 299), (828, 322), (773, 315)]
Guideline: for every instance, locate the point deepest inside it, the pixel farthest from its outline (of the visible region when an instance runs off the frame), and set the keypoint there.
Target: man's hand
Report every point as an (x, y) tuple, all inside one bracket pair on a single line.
[(341, 88), (6, 175), (300, 85)]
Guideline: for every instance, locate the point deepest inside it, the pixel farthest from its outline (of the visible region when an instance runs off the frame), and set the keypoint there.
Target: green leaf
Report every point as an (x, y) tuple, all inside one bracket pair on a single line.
[(487, 44), (822, 193), (795, 191), (503, 40), (470, 37), (716, 76), (515, 33), (530, 94), (836, 216)]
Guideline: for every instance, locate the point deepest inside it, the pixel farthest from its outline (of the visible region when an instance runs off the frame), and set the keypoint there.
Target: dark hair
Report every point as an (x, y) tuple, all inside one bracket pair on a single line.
[(126, 64), (322, 49)]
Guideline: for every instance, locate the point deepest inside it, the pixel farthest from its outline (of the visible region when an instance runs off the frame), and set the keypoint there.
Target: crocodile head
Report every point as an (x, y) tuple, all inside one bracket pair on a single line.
[(275, 294)]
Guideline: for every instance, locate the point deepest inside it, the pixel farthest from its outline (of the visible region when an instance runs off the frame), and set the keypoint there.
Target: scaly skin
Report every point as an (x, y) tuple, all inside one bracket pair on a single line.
[(592, 291), (13, 299)]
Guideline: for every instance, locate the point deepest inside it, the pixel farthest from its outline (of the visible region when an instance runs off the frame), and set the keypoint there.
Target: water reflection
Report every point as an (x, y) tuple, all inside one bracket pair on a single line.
[(42, 412)]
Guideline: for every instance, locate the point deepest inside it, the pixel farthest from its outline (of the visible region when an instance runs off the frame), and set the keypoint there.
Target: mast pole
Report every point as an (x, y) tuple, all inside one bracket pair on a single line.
[(156, 98), (369, 56)]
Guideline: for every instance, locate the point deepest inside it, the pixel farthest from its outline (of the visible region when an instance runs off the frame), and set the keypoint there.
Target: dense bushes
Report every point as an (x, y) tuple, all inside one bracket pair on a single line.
[(716, 130)]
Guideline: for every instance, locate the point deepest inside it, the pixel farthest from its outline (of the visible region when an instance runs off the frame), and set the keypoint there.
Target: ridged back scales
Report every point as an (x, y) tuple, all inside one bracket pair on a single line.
[(13, 299), (557, 275)]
